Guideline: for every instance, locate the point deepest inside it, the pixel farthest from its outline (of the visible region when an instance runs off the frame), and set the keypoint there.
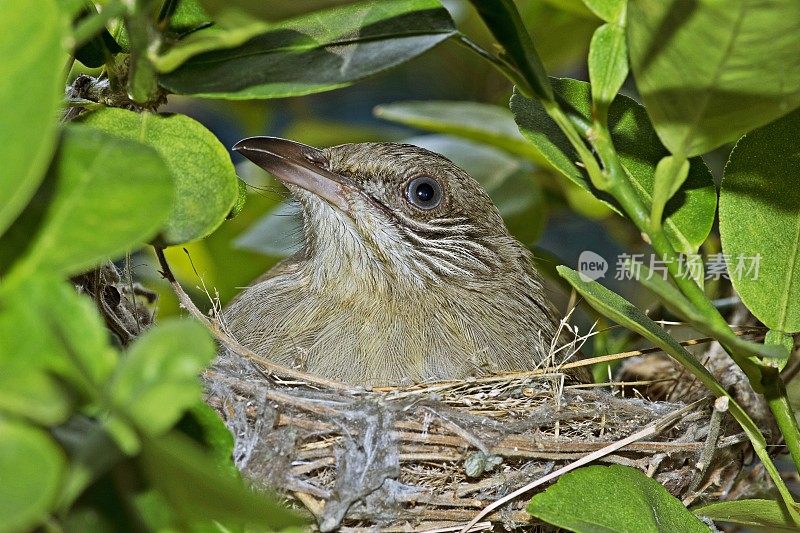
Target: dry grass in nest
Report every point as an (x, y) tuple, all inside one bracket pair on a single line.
[(452, 455)]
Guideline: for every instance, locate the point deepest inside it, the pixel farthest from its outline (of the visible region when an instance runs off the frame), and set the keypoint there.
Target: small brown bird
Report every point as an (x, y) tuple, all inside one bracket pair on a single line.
[(408, 273)]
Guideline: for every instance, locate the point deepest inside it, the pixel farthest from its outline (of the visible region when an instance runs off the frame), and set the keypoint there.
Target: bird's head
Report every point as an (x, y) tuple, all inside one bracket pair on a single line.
[(390, 214)]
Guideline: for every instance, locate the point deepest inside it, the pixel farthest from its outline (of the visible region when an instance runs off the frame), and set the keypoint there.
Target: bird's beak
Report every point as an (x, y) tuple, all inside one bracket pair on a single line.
[(298, 164)]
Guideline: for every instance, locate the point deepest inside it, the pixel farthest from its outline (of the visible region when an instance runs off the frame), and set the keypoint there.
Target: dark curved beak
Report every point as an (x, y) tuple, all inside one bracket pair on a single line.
[(298, 164)]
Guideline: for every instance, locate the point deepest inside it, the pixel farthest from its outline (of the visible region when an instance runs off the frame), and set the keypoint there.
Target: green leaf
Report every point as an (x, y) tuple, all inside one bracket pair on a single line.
[(50, 330), (637, 503), (31, 466), (503, 20), (204, 425), (71, 8), (27, 388), (759, 222), (781, 341), (92, 453), (710, 70), (620, 310), (94, 53), (608, 10), (94, 214), (690, 213), (188, 16), (316, 52), (486, 123), (241, 199), (31, 94), (198, 490), (678, 304), (158, 377), (549, 21), (142, 79), (230, 29), (671, 173), (749, 513), (206, 185), (608, 63), (81, 351)]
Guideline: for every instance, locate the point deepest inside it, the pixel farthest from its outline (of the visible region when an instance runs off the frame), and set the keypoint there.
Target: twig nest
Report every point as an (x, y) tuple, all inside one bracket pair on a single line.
[(435, 455)]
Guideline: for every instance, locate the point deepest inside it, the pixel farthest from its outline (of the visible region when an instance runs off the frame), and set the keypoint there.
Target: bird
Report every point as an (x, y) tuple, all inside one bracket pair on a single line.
[(407, 273)]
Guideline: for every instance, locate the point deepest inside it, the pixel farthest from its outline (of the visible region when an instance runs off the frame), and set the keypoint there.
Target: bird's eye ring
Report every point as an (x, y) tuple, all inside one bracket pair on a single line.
[(424, 192)]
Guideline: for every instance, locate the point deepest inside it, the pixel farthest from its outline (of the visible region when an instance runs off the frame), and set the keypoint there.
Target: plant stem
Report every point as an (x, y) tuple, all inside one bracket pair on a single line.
[(762, 378), (587, 159), (92, 25), (778, 401)]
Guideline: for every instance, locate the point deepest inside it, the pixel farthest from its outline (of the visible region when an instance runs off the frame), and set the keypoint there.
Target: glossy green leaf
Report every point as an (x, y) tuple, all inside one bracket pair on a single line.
[(780, 341), (198, 490), (608, 63), (31, 94), (689, 214), (621, 311), (711, 70), (759, 222), (31, 466), (671, 173), (206, 185), (503, 20), (618, 309), (485, 123), (109, 195), (678, 304), (157, 380), (549, 21), (94, 52), (230, 29), (188, 16), (270, 10), (768, 514), (636, 504), (316, 52), (608, 10), (142, 86), (83, 354)]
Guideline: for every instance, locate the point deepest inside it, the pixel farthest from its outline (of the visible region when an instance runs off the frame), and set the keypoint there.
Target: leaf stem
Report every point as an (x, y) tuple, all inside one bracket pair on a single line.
[(588, 160), (504, 68), (91, 26), (778, 401), (762, 378)]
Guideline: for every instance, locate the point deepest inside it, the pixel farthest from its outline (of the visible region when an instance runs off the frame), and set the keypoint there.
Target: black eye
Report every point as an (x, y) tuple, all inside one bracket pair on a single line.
[(424, 192)]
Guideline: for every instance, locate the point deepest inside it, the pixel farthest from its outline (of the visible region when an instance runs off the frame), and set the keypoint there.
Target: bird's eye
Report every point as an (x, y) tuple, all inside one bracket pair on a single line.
[(424, 192)]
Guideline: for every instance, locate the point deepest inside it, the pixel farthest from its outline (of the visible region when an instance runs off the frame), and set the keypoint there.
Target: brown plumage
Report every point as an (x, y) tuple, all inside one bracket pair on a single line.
[(408, 273)]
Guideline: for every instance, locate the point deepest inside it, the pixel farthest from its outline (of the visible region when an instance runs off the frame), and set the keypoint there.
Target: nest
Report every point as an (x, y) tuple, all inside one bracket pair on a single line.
[(455, 455), (435, 456)]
